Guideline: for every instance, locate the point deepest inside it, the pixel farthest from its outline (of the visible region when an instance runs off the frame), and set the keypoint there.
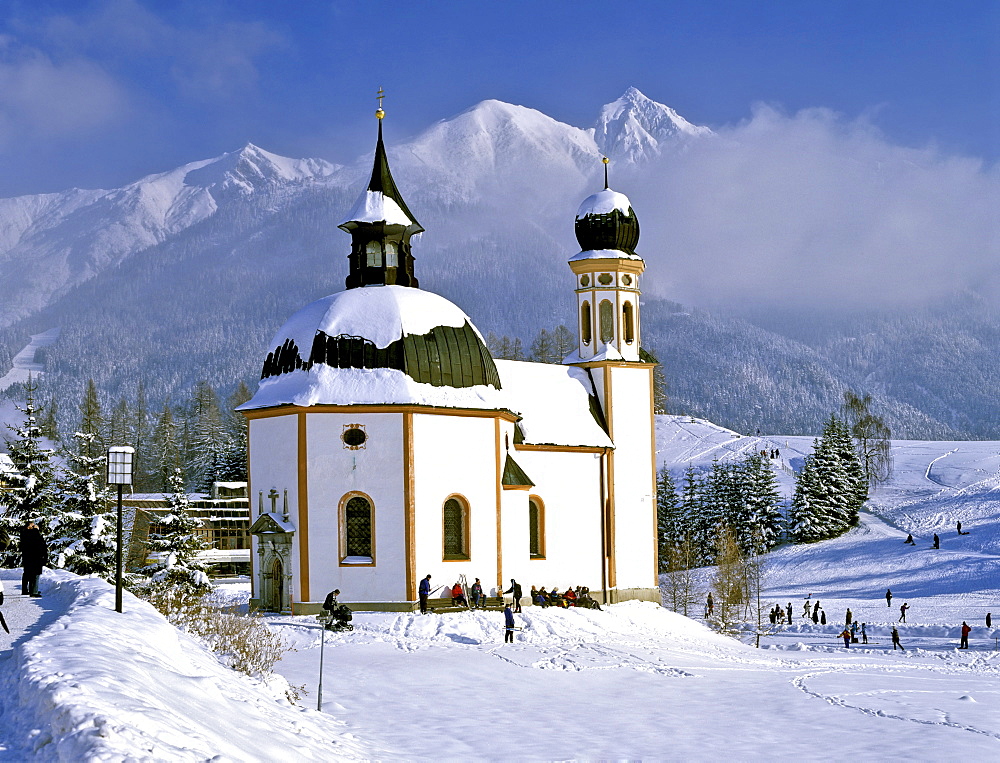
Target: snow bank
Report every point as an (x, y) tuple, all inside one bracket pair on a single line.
[(99, 685)]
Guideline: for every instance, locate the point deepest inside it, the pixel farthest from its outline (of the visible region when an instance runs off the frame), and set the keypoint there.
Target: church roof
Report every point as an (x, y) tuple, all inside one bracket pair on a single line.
[(513, 475), (379, 345), (557, 404), (381, 201)]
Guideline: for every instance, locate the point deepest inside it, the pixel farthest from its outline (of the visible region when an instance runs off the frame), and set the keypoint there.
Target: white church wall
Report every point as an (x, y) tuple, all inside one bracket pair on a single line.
[(375, 470), (455, 455), (569, 485), (635, 507), (271, 440)]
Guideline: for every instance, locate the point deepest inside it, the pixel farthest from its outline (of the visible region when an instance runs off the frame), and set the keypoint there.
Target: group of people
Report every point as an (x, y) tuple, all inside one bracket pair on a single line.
[(936, 541), (817, 613), (571, 597)]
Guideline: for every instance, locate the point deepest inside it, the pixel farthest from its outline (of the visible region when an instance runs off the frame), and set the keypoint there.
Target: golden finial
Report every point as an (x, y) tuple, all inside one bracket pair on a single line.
[(380, 95), (605, 159), (606, 162)]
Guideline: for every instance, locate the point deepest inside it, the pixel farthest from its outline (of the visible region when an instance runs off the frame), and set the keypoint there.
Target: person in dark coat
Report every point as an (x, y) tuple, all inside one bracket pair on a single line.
[(864, 634), (937, 541), (965, 635), (478, 599), (515, 589), (909, 539), (902, 612), (425, 592), (850, 617), (34, 557), (816, 617), (822, 617), (959, 528), (330, 603), (816, 608), (895, 639), (888, 597), (989, 620), (709, 605), (508, 618), (789, 611)]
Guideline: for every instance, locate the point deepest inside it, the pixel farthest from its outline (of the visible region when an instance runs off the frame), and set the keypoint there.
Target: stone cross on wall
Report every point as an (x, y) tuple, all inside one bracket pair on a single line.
[(273, 495)]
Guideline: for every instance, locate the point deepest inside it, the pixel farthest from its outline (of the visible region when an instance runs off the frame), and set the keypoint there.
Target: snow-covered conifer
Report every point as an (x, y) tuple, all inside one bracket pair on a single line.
[(177, 542)]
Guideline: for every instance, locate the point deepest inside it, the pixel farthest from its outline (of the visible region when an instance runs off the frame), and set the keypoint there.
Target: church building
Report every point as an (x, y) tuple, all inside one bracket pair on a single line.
[(386, 444)]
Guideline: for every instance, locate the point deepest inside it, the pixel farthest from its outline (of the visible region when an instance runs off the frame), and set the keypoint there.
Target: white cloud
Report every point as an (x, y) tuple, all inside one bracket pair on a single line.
[(812, 211), (40, 98)]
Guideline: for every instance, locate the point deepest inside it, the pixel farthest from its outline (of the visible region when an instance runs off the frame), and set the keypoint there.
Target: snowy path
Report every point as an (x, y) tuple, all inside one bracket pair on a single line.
[(24, 362)]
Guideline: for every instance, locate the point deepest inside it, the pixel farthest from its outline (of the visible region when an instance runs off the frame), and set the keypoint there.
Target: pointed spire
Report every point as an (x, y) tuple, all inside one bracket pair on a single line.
[(381, 180)]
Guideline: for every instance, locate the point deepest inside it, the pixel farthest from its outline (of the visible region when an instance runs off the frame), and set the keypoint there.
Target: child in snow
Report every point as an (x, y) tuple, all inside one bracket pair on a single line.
[(846, 635)]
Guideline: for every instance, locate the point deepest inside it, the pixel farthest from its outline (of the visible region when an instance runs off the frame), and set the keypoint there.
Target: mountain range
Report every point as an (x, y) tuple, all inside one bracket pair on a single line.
[(185, 275)]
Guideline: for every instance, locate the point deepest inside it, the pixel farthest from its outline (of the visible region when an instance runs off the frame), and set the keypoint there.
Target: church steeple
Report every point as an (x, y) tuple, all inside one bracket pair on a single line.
[(381, 225)]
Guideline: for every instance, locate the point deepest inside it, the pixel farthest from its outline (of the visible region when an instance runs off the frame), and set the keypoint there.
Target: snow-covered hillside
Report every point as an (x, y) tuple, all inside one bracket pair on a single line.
[(632, 681)]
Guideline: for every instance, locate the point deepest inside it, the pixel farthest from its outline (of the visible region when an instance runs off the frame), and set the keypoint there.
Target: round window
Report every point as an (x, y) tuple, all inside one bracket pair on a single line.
[(354, 437), (627, 279), (585, 281), (605, 278)]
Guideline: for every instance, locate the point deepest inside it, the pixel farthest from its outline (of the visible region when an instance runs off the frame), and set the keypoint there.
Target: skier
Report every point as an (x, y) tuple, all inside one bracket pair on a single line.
[(425, 592), (902, 612), (895, 639), (515, 589), (478, 600), (937, 541), (965, 635), (508, 618), (846, 635), (888, 597)]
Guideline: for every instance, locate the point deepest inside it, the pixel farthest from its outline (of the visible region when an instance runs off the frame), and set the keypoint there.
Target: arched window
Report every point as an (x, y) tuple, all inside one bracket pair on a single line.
[(628, 322), (391, 254), (536, 528), (455, 527), (357, 530), (585, 322), (606, 313)]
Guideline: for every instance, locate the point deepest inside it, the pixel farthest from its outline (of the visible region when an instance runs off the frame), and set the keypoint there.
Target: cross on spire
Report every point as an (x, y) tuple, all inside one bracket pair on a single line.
[(380, 95)]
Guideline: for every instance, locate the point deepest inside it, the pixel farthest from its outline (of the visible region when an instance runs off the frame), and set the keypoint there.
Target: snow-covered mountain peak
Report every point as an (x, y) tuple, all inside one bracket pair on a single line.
[(635, 128), (252, 169)]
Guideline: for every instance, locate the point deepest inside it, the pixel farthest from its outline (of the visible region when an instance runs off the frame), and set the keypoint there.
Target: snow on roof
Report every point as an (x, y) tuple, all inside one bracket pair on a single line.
[(323, 385), (603, 254), (604, 203), (374, 207), (608, 353), (380, 314), (554, 402)]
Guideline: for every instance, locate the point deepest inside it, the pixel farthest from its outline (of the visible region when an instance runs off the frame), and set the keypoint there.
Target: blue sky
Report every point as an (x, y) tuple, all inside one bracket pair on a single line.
[(95, 93)]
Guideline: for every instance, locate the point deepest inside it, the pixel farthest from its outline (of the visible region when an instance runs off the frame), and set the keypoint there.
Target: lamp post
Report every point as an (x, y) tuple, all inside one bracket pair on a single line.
[(119, 473)]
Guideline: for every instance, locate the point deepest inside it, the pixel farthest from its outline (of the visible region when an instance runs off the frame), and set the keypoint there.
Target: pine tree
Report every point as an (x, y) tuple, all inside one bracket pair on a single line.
[(166, 447), (805, 517), (82, 535), (563, 343), (49, 423), (92, 421), (144, 467), (669, 522), (33, 494), (178, 542), (763, 520), (541, 348), (659, 390), (208, 446)]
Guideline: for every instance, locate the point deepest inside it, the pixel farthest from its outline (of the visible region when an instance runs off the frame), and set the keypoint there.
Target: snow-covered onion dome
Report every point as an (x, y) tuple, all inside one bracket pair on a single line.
[(605, 221), (417, 332)]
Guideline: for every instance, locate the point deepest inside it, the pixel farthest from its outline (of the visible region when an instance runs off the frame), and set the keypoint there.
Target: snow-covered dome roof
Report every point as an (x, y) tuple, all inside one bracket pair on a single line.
[(605, 220), (378, 344)]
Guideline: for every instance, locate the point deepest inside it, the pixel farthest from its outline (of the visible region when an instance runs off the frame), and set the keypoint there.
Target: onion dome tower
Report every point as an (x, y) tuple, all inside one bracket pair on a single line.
[(409, 336), (607, 272), (381, 225)]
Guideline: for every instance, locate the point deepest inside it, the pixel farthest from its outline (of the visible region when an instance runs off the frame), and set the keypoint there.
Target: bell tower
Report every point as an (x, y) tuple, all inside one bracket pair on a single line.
[(381, 226), (607, 272)]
